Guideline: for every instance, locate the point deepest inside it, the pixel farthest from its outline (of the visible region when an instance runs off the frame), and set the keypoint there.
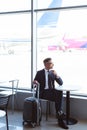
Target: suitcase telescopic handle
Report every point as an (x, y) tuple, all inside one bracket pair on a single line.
[(37, 87), (38, 90)]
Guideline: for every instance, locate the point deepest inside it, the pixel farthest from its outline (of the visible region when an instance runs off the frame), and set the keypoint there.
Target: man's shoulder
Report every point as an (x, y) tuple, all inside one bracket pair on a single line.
[(40, 71)]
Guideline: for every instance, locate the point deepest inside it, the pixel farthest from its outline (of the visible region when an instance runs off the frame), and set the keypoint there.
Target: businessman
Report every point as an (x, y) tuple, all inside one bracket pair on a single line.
[(46, 78)]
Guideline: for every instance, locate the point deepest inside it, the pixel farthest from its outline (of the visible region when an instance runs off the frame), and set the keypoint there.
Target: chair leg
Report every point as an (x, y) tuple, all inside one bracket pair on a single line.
[(7, 121), (41, 108), (47, 109)]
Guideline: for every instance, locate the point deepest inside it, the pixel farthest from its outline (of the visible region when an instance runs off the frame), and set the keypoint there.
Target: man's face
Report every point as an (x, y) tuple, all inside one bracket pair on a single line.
[(49, 64)]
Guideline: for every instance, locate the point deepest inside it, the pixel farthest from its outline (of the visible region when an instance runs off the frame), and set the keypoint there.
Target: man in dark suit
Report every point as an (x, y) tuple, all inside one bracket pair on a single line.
[(46, 78)]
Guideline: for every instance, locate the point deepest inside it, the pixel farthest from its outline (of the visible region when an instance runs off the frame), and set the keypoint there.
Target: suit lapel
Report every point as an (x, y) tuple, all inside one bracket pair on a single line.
[(43, 73)]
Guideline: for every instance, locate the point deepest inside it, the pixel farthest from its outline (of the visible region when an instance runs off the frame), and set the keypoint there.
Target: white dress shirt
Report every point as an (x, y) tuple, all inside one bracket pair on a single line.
[(46, 79)]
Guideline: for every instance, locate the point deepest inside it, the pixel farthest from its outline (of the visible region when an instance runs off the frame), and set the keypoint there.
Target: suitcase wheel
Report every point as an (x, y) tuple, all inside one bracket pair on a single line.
[(33, 124), (24, 122)]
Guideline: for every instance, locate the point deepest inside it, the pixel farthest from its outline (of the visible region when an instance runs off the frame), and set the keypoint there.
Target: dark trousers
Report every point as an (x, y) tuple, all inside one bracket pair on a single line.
[(53, 95)]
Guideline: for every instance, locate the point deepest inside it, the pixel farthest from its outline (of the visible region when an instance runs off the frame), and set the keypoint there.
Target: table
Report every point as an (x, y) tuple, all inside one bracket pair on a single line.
[(6, 92), (69, 120), (2, 113)]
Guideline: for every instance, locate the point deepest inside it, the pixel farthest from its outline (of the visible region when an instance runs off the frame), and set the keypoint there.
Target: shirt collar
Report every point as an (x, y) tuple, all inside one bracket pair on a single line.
[(46, 70)]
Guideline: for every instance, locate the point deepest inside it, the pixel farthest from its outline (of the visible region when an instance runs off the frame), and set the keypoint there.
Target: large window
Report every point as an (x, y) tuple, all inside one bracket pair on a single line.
[(15, 42), (59, 31), (62, 35)]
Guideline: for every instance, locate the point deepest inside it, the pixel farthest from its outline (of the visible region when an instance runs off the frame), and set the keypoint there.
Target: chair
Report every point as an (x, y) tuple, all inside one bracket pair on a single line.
[(4, 100), (14, 84), (47, 107)]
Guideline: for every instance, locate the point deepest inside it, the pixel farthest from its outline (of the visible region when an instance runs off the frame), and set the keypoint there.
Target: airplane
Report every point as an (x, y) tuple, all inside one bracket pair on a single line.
[(50, 18), (47, 38), (79, 43)]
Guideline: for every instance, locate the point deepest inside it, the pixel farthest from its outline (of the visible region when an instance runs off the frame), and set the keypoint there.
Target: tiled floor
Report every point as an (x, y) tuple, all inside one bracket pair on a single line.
[(15, 123)]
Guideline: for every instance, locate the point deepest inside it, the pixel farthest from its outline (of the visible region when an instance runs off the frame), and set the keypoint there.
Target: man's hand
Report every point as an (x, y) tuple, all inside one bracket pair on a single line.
[(35, 82), (55, 73)]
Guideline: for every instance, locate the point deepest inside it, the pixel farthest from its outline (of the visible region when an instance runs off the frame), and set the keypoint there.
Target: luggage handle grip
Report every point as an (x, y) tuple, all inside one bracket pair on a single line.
[(37, 87)]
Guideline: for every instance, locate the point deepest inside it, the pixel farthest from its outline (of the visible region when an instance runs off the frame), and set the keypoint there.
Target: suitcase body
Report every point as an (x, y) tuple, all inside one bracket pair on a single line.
[(32, 111)]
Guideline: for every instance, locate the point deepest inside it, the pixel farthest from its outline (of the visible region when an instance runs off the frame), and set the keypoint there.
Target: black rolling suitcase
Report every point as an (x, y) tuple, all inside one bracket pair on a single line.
[(32, 109)]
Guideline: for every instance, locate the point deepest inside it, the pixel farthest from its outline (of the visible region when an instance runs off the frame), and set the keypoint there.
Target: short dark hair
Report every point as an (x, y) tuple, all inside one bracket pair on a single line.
[(47, 60)]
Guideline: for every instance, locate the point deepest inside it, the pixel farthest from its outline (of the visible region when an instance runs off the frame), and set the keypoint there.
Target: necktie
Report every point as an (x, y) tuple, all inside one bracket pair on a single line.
[(49, 80)]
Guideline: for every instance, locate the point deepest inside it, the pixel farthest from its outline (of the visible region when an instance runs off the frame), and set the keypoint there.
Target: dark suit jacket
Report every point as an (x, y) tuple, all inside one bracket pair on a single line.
[(40, 77)]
